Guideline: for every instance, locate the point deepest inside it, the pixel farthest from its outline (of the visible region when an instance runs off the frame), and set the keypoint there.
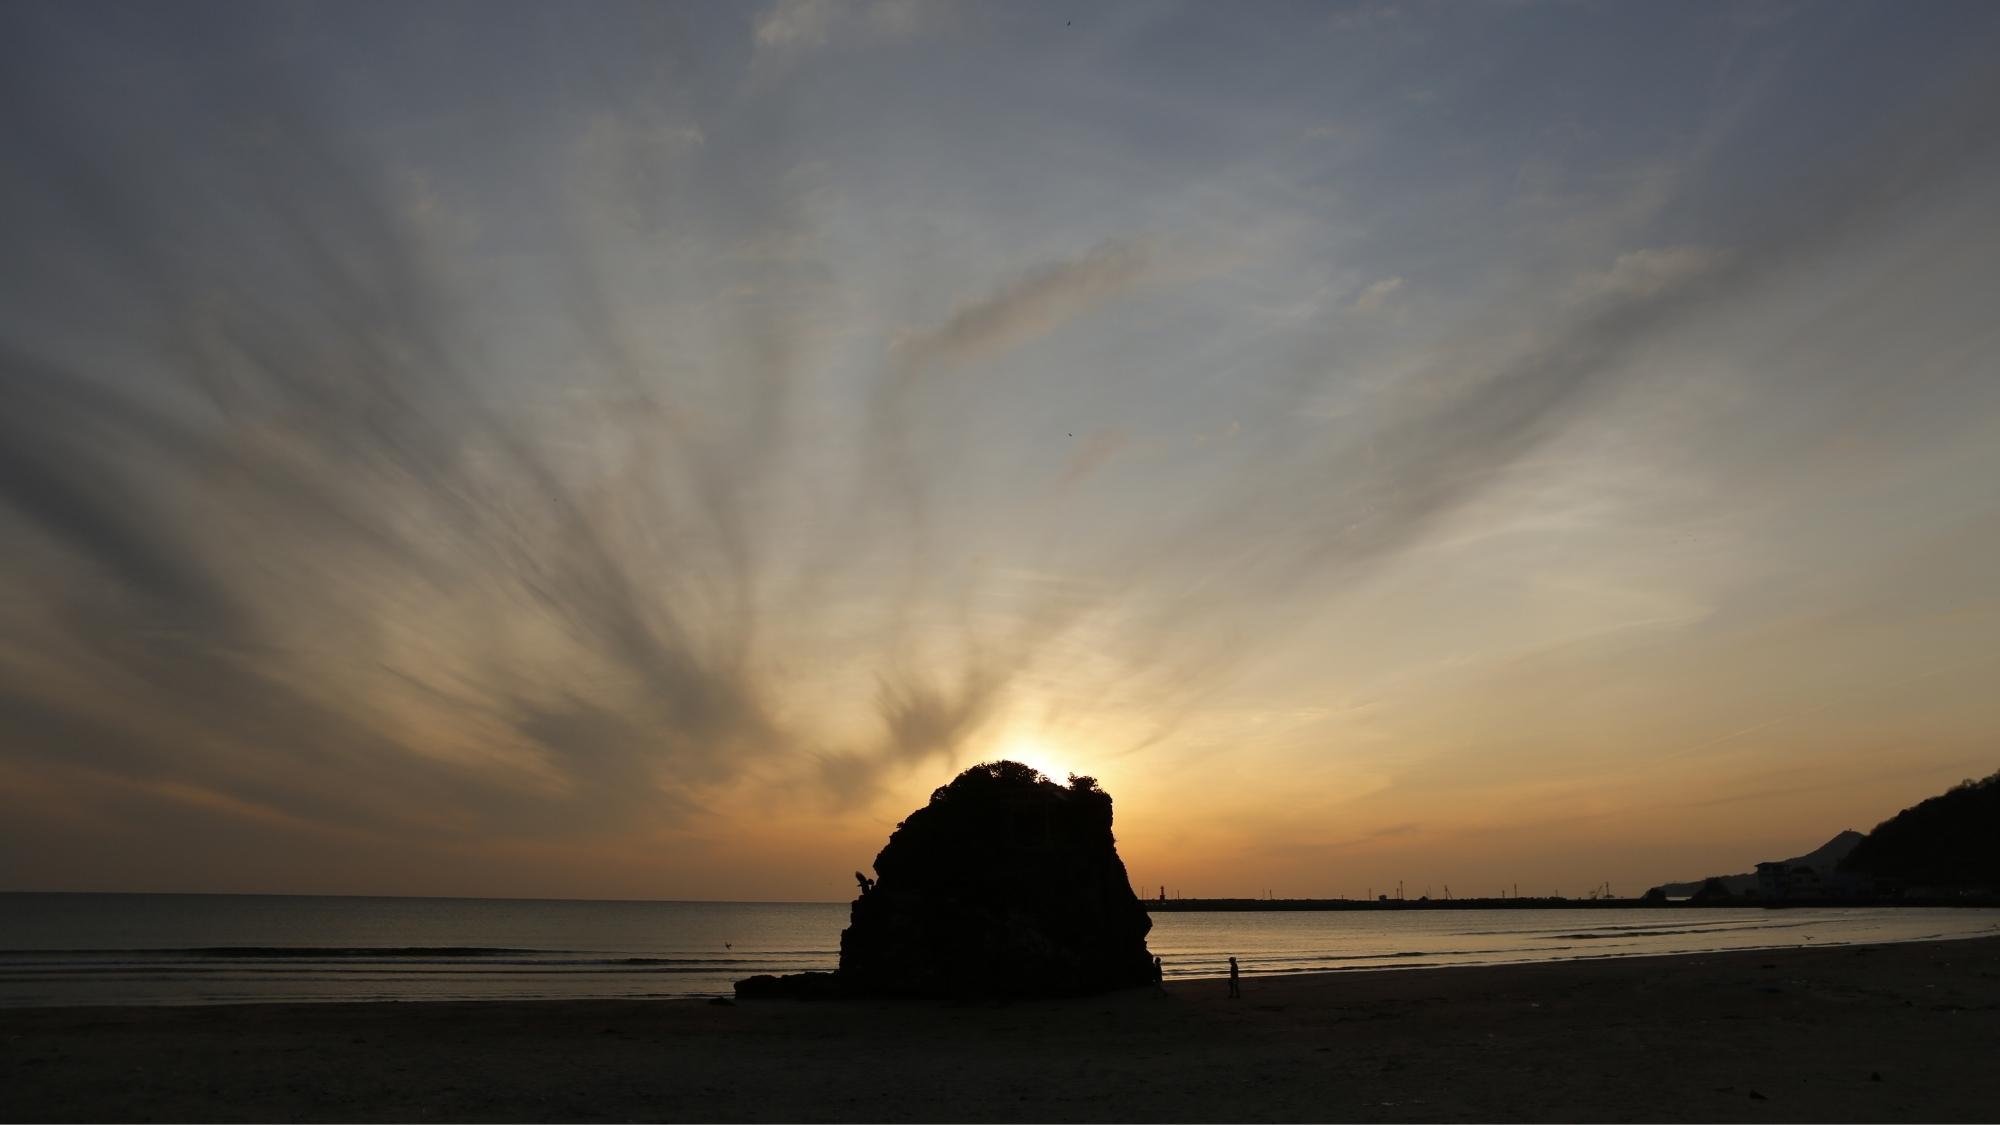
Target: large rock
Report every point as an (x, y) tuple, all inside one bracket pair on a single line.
[(1005, 885)]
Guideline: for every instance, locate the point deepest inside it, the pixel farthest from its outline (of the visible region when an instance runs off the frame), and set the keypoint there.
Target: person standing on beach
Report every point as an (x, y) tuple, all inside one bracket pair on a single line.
[(1160, 976), (1235, 981)]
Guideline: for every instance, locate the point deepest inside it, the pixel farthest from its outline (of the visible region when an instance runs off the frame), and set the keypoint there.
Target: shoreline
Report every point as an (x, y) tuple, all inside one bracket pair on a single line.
[(1394, 964), (1589, 958), (1854, 1032), (1304, 976)]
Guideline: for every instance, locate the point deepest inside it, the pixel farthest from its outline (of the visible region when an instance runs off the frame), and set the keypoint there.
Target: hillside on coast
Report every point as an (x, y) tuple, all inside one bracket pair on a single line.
[(1949, 841), (1825, 859)]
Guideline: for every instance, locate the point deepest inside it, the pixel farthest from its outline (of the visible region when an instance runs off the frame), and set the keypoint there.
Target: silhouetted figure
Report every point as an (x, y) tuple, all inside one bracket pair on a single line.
[(1160, 976), (1235, 981), (867, 884)]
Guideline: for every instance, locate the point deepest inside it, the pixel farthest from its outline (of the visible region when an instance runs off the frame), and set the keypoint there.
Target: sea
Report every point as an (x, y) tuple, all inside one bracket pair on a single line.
[(94, 949)]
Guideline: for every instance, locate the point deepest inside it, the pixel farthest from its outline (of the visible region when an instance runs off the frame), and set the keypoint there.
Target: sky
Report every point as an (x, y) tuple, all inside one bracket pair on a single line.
[(640, 451)]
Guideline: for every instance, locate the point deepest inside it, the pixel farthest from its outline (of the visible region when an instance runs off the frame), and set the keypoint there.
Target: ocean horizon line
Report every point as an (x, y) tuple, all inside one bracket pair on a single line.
[(442, 898)]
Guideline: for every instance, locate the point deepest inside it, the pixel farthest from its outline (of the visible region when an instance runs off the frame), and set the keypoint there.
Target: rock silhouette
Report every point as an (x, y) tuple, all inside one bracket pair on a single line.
[(1005, 885), (793, 986), (1713, 889)]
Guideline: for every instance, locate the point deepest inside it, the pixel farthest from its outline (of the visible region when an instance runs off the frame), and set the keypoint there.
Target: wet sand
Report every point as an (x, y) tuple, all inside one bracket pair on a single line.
[(1875, 1033)]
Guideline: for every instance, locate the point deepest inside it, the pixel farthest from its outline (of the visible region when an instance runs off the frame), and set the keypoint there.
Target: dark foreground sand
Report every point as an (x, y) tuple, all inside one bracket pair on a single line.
[(1882, 1033)]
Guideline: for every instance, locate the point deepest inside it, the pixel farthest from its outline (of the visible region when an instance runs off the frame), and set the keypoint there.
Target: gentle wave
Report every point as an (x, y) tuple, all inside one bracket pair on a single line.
[(1731, 925), (331, 972), (295, 951), (317, 953), (1263, 961), (1592, 936)]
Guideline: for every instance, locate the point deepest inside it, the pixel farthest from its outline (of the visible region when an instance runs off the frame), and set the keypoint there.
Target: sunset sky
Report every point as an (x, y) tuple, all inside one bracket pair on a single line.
[(596, 450)]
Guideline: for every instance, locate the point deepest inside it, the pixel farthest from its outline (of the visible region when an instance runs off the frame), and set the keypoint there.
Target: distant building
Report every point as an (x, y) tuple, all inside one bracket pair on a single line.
[(1778, 881), (1771, 881)]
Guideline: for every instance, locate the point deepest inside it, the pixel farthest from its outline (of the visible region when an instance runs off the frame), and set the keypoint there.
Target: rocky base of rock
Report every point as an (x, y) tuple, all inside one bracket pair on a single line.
[(793, 986)]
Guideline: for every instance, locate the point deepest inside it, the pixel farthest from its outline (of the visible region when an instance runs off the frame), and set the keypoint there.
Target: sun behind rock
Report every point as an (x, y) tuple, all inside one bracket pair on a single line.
[(1006, 884)]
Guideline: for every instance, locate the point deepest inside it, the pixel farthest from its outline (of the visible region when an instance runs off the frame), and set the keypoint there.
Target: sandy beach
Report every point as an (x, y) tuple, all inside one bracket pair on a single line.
[(1882, 1033)]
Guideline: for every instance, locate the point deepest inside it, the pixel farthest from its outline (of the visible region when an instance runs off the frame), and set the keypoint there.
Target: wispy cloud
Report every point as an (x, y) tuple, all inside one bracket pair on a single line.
[(1023, 310), (370, 476), (1376, 294), (1651, 273), (790, 28)]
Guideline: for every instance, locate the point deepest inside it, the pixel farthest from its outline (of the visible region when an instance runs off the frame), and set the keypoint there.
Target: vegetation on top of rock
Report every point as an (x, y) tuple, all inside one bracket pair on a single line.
[(1951, 840)]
